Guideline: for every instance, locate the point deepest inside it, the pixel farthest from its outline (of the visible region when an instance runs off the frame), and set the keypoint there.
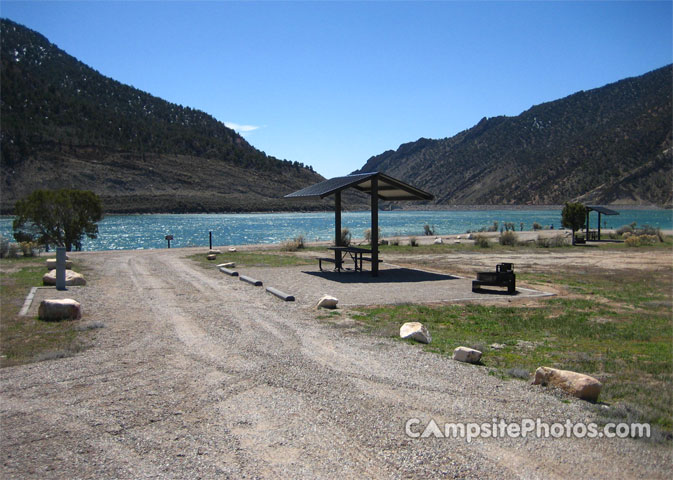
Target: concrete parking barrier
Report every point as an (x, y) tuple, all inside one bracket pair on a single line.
[(280, 294), (256, 283)]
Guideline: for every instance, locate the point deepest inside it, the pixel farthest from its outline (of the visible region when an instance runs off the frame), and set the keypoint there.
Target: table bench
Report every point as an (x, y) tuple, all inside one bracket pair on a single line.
[(325, 259), (502, 277), (356, 254)]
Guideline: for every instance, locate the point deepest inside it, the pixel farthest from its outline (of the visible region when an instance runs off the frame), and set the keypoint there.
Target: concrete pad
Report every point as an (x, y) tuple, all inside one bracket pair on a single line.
[(394, 285)]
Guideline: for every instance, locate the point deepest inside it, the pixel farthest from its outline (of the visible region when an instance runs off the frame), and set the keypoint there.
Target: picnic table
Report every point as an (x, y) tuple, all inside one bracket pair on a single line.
[(357, 254)]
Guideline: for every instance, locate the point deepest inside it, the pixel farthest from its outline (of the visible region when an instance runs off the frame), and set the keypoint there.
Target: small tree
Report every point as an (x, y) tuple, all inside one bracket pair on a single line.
[(573, 216), (58, 217)]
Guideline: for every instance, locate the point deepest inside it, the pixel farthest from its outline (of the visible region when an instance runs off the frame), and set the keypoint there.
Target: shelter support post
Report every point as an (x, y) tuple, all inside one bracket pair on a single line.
[(375, 226), (337, 228), (337, 219)]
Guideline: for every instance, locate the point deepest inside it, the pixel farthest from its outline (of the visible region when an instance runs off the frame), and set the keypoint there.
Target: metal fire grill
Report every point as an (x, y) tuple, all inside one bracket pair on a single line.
[(502, 277)]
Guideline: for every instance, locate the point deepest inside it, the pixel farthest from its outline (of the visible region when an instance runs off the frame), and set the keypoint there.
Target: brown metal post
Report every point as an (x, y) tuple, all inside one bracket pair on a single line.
[(337, 219), (375, 226), (337, 228)]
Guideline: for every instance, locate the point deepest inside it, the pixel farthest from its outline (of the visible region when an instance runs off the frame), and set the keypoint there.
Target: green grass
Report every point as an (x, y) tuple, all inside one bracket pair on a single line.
[(255, 259), (29, 339), (617, 328)]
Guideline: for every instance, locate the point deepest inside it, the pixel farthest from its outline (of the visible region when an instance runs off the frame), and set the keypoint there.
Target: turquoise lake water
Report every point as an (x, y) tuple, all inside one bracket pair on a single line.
[(130, 232)]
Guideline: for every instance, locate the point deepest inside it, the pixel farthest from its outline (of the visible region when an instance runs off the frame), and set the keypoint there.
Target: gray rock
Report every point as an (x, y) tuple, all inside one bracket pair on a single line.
[(72, 278), (327, 301), (51, 264), (59, 309), (576, 384), (416, 331), (467, 355)]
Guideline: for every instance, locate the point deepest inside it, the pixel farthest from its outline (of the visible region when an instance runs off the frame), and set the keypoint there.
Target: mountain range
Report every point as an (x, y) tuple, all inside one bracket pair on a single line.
[(63, 124), (609, 145)]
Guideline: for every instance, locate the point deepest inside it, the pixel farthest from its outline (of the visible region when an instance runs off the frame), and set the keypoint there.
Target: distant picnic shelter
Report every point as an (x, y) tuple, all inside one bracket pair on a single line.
[(601, 211), (378, 186)]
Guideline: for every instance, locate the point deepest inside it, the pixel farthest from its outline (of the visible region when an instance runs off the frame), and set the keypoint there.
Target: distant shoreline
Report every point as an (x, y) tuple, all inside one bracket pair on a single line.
[(428, 208)]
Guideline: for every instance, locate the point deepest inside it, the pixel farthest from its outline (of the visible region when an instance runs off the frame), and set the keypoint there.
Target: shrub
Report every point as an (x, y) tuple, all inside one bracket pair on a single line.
[(650, 231), (293, 245), (494, 227), (648, 239), (537, 226), (29, 249), (481, 241), (632, 241), (508, 238), (553, 242), (368, 235), (624, 229), (395, 241), (413, 241), (345, 237), (428, 230)]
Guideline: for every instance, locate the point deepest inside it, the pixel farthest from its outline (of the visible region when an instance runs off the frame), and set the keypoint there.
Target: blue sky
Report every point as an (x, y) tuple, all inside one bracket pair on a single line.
[(330, 84)]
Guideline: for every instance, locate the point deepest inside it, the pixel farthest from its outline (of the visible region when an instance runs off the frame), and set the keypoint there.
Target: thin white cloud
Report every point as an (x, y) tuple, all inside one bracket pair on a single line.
[(241, 129)]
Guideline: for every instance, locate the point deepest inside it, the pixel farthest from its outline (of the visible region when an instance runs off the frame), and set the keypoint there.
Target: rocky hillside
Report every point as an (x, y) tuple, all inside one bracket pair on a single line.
[(63, 124), (610, 145)]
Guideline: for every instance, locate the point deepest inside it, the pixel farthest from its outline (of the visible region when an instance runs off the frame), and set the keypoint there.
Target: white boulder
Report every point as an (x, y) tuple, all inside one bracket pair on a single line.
[(416, 331), (72, 278), (327, 301), (216, 252), (438, 241), (232, 249), (467, 355), (576, 384), (211, 256), (227, 265), (60, 309), (51, 264)]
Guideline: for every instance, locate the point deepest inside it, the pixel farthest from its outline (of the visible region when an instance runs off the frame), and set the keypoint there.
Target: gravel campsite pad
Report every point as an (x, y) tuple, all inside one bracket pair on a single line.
[(199, 375)]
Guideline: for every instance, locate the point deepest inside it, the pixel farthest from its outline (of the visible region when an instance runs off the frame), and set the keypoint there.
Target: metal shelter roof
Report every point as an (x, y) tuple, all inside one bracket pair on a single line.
[(603, 210), (389, 188)]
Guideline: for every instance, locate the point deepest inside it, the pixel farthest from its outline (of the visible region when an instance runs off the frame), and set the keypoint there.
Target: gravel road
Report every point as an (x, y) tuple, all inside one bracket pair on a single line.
[(199, 376)]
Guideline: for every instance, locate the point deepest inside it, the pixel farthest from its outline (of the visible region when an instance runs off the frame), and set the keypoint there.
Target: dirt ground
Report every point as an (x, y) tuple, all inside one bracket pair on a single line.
[(197, 375)]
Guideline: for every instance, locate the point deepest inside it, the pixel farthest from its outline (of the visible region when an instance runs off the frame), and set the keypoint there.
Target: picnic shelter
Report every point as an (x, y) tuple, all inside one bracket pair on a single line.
[(596, 235), (378, 186)]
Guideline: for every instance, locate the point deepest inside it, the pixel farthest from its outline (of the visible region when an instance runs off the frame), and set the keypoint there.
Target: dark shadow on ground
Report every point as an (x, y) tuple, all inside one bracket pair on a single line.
[(388, 275)]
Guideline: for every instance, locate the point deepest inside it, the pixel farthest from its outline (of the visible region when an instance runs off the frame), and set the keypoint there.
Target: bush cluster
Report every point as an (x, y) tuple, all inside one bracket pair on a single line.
[(481, 241), (553, 242), (638, 240), (508, 238), (294, 244)]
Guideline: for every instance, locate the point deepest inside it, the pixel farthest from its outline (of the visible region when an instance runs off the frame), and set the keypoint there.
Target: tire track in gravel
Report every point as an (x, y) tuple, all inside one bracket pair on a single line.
[(200, 375)]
